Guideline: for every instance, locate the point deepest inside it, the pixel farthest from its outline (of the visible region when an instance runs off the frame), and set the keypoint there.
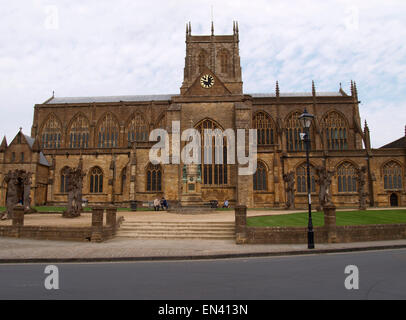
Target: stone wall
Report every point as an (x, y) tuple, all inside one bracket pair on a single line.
[(329, 233), (97, 232)]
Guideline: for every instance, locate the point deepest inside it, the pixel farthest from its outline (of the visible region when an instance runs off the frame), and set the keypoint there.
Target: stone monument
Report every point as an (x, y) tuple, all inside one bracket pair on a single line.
[(18, 191), (323, 179), (289, 178), (362, 194), (75, 185)]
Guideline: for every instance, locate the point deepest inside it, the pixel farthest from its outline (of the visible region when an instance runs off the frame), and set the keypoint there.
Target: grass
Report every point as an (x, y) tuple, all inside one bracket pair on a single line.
[(343, 218)]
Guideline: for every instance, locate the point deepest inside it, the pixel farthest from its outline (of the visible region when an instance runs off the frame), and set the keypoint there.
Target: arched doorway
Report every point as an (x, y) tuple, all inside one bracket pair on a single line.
[(394, 200)]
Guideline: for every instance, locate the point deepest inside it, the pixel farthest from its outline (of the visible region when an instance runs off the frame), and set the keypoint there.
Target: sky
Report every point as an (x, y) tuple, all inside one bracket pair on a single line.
[(130, 47)]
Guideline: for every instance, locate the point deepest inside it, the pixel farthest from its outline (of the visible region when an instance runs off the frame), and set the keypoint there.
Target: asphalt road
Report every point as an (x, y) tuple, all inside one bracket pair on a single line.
[(382, 275)]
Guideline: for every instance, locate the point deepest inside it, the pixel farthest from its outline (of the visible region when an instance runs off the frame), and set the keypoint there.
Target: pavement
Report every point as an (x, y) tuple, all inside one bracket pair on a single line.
[(14, 250)]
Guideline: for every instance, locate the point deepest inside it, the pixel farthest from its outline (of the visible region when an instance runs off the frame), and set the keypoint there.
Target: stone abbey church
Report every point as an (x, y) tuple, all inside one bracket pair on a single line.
[(110, 135)]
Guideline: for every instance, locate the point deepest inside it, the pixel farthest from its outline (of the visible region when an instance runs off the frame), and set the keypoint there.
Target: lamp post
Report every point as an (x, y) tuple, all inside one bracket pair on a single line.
[(306, 121)]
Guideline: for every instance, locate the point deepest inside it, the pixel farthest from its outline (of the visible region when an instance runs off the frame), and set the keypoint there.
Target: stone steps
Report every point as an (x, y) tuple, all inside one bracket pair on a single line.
[(176, 230)]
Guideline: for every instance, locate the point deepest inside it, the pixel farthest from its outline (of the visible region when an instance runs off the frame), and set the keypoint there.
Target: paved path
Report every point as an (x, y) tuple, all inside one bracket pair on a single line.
[(12, 249), (24, 249), (52, 219)]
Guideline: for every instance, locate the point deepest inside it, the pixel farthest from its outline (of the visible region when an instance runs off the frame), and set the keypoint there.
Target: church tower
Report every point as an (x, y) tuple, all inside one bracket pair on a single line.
[(216, 54)]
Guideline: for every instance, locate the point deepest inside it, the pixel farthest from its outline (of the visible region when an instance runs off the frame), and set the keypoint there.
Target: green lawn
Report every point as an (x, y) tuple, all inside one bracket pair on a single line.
[(343, 218)]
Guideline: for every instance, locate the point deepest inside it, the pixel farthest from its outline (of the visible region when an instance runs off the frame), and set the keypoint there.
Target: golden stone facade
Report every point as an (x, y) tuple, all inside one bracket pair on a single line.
[(111, 135)]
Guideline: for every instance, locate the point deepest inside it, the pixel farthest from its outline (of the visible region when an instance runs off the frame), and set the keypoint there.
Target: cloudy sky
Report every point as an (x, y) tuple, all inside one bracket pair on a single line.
[(124, 47)]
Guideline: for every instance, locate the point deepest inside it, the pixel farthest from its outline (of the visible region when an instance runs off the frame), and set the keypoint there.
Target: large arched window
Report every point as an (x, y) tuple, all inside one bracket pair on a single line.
[(51, 133), (301, 179), (293, 130), (392, 176), (224, 57), (260, 177), (137, 129), (64, 180), (202, 60), (154, 178), (265, 128), (347, 177), (161, 123), (108, 132), (335, 131), (213, 174), (96, 180), (79, 132)]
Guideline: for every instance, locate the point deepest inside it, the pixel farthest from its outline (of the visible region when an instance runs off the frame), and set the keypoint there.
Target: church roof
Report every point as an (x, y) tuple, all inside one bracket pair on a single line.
[(166, 97), (296, 94), (42, 159), (156, 97), (400, 143)]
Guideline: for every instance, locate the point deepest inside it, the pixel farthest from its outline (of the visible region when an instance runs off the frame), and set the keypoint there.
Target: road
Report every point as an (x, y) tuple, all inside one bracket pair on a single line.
[(382, 275)]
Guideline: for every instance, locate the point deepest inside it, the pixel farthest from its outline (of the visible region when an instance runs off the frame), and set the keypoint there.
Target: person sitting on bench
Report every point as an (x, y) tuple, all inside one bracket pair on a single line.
[(164, 204), (225, 205), (157, 204)]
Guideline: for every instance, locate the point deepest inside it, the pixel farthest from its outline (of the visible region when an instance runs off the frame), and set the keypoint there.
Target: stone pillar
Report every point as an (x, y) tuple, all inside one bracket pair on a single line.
[(330, 223), (97, 224), (111, 217), (18, 215), (240, 224)]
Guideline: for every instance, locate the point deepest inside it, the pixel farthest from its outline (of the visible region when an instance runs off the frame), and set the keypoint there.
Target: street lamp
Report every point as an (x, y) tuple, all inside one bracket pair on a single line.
[(306, 121)]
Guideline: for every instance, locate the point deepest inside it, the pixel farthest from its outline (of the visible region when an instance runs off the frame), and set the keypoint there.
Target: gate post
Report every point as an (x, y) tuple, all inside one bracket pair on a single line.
[(241, 224), (97, 224), (330, 223)]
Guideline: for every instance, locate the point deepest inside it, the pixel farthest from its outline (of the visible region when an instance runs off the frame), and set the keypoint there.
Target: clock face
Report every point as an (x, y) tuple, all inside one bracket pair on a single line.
[(207, 81)]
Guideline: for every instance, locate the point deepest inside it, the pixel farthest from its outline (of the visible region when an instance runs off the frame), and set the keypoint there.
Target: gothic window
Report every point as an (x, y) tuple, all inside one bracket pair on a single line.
[(96, 180), (213, 174), (154, 178), (335, 131), (51, 134), (260, 178), (64, 180), (108, 132), (293, 130), (301, 179), (265, 128), (202, 60), (79, 133), (161, 123), (224, 61), (137, 129), (347, 178), (392, 176)]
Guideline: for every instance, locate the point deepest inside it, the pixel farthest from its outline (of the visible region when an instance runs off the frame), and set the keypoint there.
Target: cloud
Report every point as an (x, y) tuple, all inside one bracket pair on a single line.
[(92, 48)]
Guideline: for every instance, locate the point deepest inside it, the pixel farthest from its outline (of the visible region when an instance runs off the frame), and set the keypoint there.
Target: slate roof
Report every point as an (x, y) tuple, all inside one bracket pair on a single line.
[(166, 97), (42, 159), (297, 94), (156, 97), (400, 143)]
